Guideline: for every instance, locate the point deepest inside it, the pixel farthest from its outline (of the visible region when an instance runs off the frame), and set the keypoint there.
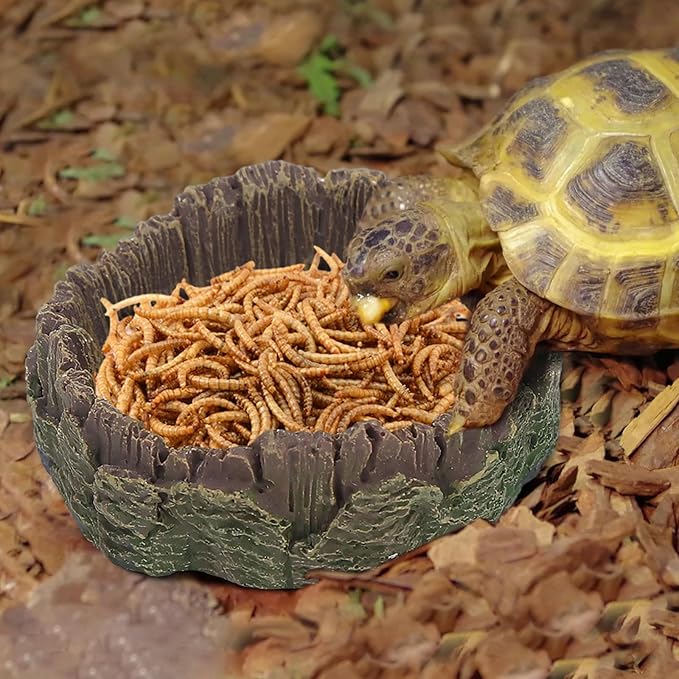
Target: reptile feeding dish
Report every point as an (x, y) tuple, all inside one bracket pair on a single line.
[(260, 515)]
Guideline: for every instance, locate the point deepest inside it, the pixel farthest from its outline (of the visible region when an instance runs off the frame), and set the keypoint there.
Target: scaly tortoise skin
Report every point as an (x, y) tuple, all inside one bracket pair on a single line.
[(566, 216)]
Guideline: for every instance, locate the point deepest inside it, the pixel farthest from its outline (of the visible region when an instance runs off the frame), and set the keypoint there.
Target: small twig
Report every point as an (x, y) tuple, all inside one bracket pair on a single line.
[(22, 220), (51, 184)]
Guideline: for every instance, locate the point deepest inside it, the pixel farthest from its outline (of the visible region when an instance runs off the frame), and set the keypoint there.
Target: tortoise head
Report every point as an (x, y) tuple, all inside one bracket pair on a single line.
[(400, 266)]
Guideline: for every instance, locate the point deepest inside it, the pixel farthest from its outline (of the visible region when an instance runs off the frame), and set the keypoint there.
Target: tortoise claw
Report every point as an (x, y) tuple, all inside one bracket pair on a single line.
[(457, 423)]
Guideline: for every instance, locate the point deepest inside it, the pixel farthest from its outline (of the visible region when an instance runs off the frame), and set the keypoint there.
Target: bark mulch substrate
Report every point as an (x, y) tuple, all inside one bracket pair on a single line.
[(579, 579), (109, 109)]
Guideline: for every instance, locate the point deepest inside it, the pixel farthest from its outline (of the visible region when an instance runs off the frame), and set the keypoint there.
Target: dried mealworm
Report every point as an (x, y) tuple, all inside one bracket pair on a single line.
[(262, 409), (227, 416), (220, 383), (244, 336), (332, 262), (280, 335), (223, 314), (200, 363), (112, 378), (295, 324), (396, 384), (175, 330), (453, 328), (284, 418), (160, 300), (342, 296), (358, 337), (318, 331), (370, 410), (122, 350), (137, 407), (396, 335), (445, 338), (305, 388), (423, 355), (277, 271), (187, 354), (424, 388), (209, 336), (155, 348), (172, 431), (288, 393), (253, 414), (296, 293), (357, 392), (265, 372), (270, 283), (233, 351), (330, 359), (416, 414), (243, 432), (179, 394), (102, 383), (444, 404), (232, 280), (396, 424), (124, 400), (331, 413), (217, 438), (146, 328)]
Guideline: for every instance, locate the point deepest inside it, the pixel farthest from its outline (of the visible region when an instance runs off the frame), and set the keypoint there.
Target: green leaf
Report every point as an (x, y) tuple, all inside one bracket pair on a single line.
[(6, 380), (328, 44), (86, 17), (103, 154), (59, 272), (94, 173), (378, 608), (125, 222), (89, 15), (319, 71), (104, 240), (58, 119), (358, 73), (38, 206)]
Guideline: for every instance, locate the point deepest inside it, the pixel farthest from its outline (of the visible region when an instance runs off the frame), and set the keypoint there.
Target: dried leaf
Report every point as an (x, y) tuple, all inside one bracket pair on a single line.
[(562, 608), (459, 548), (628, 479), (502, 655), (523, 519), (267, 137)]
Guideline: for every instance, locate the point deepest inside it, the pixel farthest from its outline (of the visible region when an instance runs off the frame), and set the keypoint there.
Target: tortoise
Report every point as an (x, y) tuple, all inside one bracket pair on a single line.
[(564, 216)]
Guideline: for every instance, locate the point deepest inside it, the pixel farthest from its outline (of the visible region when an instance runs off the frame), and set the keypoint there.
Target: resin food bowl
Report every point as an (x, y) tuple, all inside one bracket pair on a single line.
[(261, 515)]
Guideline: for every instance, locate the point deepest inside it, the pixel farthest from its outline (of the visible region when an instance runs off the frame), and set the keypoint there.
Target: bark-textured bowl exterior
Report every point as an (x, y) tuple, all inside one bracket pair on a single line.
[(265, 514)]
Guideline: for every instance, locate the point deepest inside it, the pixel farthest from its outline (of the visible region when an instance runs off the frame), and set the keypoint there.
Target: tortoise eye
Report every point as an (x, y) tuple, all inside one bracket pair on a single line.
[(392, 275)]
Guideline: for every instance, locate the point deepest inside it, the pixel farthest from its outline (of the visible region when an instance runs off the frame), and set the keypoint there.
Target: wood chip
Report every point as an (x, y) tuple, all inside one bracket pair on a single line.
[(657, 410)]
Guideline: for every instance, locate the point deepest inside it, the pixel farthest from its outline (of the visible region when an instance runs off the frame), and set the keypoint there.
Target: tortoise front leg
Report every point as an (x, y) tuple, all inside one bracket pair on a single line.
[(503, 332)]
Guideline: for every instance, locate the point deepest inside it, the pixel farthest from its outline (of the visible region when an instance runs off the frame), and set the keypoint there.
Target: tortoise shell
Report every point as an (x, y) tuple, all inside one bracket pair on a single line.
[(580, 178)]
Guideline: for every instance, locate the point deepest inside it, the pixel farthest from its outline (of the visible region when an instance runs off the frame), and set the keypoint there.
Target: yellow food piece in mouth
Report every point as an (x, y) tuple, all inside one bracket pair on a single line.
[(371, 309)]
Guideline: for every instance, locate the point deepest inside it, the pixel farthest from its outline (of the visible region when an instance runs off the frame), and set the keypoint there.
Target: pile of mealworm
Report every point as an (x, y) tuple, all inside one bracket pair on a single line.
[(261, 349)]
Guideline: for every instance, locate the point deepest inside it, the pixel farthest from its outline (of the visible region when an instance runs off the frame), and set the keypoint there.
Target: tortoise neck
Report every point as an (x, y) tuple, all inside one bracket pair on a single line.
[(478, 260)]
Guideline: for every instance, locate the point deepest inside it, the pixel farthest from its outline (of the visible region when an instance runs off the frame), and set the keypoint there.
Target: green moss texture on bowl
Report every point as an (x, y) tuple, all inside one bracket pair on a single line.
[(265, 514)]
